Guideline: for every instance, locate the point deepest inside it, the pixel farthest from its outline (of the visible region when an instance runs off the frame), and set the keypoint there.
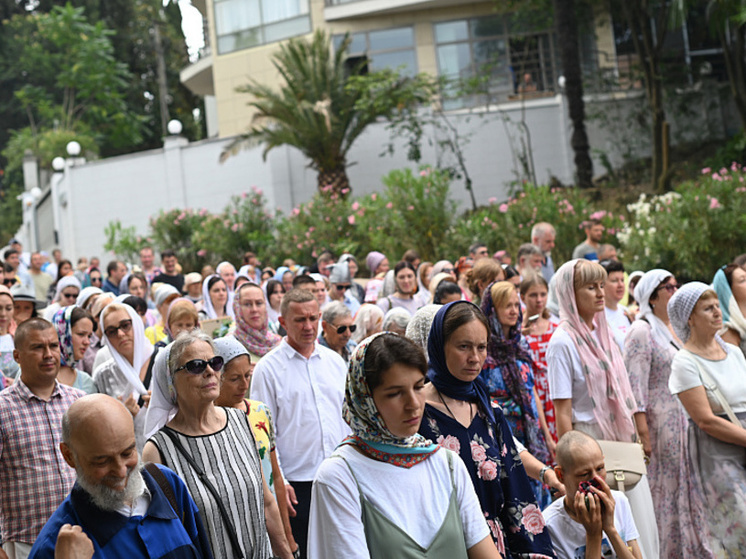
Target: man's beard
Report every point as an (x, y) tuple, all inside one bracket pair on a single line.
[(112, 499)]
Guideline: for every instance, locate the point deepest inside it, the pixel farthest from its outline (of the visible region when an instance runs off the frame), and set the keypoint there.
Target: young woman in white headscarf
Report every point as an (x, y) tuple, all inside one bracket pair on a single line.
[(215, 299), (588, 381), (709, 378), (649, 349)]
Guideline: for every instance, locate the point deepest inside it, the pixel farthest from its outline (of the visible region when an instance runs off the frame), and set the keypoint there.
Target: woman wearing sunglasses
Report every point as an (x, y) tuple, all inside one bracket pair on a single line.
[(649, 349), (124, 375), (66, 294), (388, 491), (213, 450)]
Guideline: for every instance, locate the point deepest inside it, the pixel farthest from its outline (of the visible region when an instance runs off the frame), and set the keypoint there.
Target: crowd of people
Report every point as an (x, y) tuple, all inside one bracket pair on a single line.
[(476, 408)]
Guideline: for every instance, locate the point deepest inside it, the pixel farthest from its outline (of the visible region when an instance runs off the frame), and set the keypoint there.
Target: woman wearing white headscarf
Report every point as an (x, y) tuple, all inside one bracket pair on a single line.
[(216, 302), (124, 375), (66, 294), (649, 348), (213, 450), (709, 377)]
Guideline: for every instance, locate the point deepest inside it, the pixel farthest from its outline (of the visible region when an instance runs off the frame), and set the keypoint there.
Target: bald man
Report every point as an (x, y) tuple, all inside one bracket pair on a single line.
[(126, 511), (597, 524)]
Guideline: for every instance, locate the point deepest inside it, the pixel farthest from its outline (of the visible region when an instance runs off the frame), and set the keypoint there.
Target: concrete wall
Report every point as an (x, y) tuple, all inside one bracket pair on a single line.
[(134, 187)]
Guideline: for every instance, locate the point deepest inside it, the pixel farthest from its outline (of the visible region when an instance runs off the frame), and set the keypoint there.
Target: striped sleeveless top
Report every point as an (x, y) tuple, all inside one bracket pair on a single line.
[(230, 460)]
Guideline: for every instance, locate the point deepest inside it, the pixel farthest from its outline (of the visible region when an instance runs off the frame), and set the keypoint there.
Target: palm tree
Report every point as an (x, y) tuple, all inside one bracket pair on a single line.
[(324, 105)]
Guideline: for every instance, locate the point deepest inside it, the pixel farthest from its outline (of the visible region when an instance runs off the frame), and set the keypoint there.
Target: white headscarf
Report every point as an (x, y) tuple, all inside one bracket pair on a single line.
[(86, 294), (681, 305), (67, 281), (141, 353), (418, 329), (163, 405), (207, 306), (643, 291)]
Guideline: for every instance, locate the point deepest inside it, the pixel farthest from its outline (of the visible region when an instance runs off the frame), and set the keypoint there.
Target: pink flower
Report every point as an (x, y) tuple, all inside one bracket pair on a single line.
[(532, 520), (478, 453), (203, 212), (201, 252), (243, 195), (389, 205), (295, 211), (504, 449), (714, 204), (300, 246), (503, 208), (497, 535), (487, 470), (345, 190), (355, 206), (410, 208), (716, 176), (492, 200), (706, 171), (450, 442), (234, 227), (351, 219), (374, 196), (423, 173)]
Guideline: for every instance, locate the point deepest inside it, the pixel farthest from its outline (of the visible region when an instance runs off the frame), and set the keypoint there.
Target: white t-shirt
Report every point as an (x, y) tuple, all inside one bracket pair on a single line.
[(565, 375), (728, 373), (416, 499), (619, 324), (568, 536)]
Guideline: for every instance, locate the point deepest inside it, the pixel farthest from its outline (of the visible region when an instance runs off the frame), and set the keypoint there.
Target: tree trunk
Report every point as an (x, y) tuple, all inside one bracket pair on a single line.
[(648, 50), (567, 35), (733, 55), (334, 181)]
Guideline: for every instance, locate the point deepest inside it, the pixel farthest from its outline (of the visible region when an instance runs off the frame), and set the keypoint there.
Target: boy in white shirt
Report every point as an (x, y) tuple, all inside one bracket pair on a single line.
[(589, 525)]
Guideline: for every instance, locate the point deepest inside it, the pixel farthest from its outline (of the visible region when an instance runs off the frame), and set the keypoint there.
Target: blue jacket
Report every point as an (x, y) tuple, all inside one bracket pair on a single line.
[(109, 287), (158, 535)]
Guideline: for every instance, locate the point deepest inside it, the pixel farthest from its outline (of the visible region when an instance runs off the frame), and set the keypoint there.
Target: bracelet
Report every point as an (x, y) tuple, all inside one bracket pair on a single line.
[(544, 471)]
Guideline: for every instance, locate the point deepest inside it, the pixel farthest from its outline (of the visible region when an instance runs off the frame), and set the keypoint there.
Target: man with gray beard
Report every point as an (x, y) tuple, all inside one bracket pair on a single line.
[(125, 510)]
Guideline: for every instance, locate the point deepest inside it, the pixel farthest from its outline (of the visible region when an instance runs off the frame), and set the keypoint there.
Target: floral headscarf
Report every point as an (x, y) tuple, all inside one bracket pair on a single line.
[(603, 366), (369, 433), (259, 342), (61, 321), (504, 353)]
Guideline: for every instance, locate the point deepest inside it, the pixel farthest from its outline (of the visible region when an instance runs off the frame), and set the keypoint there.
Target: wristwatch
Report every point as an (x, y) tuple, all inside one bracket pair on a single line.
[(544, 471)]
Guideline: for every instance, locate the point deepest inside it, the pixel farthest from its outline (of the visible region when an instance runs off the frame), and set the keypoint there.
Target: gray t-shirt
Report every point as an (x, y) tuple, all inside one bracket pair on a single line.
[(584, 250)]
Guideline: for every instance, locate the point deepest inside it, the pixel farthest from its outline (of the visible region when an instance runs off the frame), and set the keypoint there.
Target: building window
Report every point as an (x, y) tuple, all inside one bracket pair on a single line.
[(241, 24), (515, 59), (387, 48)]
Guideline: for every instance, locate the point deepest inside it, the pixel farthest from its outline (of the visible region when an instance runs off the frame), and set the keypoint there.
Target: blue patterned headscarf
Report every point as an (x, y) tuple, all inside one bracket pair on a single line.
[(369, 433), (441, 377), (61, 321)]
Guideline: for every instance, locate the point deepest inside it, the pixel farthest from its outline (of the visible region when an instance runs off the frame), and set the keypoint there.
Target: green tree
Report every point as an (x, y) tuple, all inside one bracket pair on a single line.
[(324, 105)]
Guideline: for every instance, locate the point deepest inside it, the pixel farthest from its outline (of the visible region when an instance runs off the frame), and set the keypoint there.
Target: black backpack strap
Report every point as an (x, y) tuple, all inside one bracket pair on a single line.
[(211, 488), (148, 374), (165, 486)]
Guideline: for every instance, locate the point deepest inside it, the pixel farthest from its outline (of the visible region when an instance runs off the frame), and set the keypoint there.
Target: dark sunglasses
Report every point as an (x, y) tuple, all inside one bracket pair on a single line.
[(668, 287), (70, 295), (198, 366), (343, 287), (95, 280), (125, 326), (10, 281), (342, 329)]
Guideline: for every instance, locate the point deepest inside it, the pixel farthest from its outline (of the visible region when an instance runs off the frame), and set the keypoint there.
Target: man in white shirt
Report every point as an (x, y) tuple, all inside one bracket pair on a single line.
[(303, 383), (594, 524)]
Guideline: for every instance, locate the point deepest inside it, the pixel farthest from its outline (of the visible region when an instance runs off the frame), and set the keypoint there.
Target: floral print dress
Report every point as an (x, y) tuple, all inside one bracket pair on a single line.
[(260, 419), (500, 481)]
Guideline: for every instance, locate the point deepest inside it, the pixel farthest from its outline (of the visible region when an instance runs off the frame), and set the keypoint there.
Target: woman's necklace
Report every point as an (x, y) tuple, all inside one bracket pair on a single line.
[(453, 415)]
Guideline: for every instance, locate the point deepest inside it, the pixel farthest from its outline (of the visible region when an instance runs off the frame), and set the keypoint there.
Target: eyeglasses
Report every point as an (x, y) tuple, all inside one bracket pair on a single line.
[(671, 288), (342, 329), (70, 295), (9, 282), (447, 271), (198, 366), (95, 280), (125, 326), (343, 287)]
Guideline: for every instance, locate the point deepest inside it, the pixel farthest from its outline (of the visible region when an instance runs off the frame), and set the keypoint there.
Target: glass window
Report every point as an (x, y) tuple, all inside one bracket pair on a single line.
[(386, 48), (515, 63), (242, 24)]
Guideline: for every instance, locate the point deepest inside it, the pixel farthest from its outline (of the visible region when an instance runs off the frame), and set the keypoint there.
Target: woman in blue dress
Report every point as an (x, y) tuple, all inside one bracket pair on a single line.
[(508, 373), (460, 416)]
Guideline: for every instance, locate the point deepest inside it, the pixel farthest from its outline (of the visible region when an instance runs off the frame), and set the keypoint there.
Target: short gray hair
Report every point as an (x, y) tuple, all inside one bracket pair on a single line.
[(398, 316), (334, 310), (183, 341), (540, 229), (528, 249)]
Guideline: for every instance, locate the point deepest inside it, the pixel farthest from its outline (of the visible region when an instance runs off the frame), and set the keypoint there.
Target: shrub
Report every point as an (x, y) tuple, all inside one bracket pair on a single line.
[(692, 231)]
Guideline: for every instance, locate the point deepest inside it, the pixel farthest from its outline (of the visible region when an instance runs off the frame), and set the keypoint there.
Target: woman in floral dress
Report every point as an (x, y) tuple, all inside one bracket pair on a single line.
[(649, 349), (460, 416)]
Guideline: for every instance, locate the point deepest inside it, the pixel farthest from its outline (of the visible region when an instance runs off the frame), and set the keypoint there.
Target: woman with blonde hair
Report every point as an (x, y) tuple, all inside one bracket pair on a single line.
[(588, 381)]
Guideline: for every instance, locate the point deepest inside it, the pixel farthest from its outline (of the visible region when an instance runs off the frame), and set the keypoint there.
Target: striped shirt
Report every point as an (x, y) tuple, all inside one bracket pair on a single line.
[(34, 478), (230, 461)]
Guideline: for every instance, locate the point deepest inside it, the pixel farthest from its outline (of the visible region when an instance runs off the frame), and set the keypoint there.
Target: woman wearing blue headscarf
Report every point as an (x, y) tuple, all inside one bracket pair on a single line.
[(460, 416), (730, 286), (387, 491)]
